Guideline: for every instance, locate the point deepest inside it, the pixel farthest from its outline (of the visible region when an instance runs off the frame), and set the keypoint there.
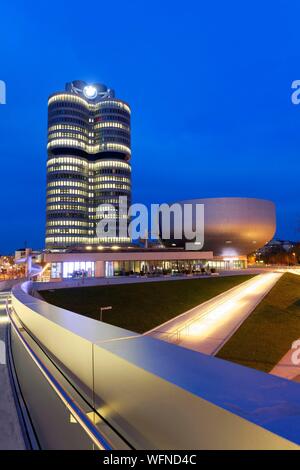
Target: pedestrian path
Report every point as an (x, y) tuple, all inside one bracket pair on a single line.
[(207, 327)]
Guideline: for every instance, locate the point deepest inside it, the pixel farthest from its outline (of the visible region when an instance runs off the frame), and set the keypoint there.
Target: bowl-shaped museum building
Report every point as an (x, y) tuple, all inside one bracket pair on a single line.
[(233, 226)]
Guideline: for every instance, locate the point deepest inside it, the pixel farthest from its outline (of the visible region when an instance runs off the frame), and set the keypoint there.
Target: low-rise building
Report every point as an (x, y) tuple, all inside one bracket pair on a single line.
[(134, 261)]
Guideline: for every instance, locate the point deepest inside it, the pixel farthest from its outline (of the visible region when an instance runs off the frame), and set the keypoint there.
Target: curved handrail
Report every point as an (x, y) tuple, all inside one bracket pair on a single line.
[(72, 406)]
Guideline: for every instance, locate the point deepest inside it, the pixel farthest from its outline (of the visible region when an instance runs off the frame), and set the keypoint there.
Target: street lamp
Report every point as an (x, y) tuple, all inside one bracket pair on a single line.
[(102, 309)]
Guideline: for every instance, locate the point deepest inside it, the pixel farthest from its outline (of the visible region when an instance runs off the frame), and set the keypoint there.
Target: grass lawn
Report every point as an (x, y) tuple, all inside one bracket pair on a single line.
[(269, 331), (142, 306)]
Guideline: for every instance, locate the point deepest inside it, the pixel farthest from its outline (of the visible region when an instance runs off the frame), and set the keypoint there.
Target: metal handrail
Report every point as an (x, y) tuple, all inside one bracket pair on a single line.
[(72, 406), (185, 326)]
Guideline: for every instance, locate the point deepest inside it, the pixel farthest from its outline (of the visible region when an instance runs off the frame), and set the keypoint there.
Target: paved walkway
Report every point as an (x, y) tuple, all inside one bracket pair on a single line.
[(207, 327), (10, 431)]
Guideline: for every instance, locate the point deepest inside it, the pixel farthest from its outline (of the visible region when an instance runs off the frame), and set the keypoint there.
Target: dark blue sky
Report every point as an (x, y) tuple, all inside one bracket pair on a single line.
[(209, 84)]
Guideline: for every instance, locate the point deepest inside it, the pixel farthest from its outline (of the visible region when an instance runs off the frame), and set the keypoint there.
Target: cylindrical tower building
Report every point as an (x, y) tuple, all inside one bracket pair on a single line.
[(88, 163)]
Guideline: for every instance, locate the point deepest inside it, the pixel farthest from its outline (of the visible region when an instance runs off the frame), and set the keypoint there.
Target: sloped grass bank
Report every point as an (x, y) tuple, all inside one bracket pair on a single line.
[(141, 306), (267, 334)]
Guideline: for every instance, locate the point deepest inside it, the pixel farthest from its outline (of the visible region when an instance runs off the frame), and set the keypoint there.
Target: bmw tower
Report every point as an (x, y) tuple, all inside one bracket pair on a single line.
[(88, 165)]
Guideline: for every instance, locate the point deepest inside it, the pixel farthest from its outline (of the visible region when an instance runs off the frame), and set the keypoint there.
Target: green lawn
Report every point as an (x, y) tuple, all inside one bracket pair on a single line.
[(142, 306), (269, 331)]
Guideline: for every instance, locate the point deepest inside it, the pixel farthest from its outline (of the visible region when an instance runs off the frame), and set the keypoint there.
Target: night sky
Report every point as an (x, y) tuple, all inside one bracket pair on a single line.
[(209, 84)]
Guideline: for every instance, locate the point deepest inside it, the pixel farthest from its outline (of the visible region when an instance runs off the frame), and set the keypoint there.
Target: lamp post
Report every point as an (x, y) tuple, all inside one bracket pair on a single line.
[(102, 309)]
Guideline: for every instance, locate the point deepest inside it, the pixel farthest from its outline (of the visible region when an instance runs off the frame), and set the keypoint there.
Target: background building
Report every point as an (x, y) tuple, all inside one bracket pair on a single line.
[(133, 261), (280, 252), (88, 163)]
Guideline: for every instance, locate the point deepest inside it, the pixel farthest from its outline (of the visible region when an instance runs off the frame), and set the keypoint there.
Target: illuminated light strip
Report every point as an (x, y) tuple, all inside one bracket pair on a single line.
[(185, 324), (67, 134), (80, 160), (110, 164), (67, 160), (71, 239), (71, 98), (62, 167), (65, 142), (113, 179), (65, 222), (111, 239), (63, 127), (68, 97), (112, 185), (109, 103), (72, 406), (106, 147), (111, 124), (235, 296)]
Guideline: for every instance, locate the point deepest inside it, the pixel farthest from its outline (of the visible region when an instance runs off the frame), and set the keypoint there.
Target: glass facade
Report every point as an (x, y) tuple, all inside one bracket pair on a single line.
[(89, 150), (72, 269), (79, 269), (174, 266)]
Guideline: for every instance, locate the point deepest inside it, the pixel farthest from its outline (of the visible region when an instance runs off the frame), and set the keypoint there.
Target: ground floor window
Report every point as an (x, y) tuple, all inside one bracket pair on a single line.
[(121, 268), (72, 269), (56, 270), (78, 269), (226, 265), (109, 269), (126, 268)]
